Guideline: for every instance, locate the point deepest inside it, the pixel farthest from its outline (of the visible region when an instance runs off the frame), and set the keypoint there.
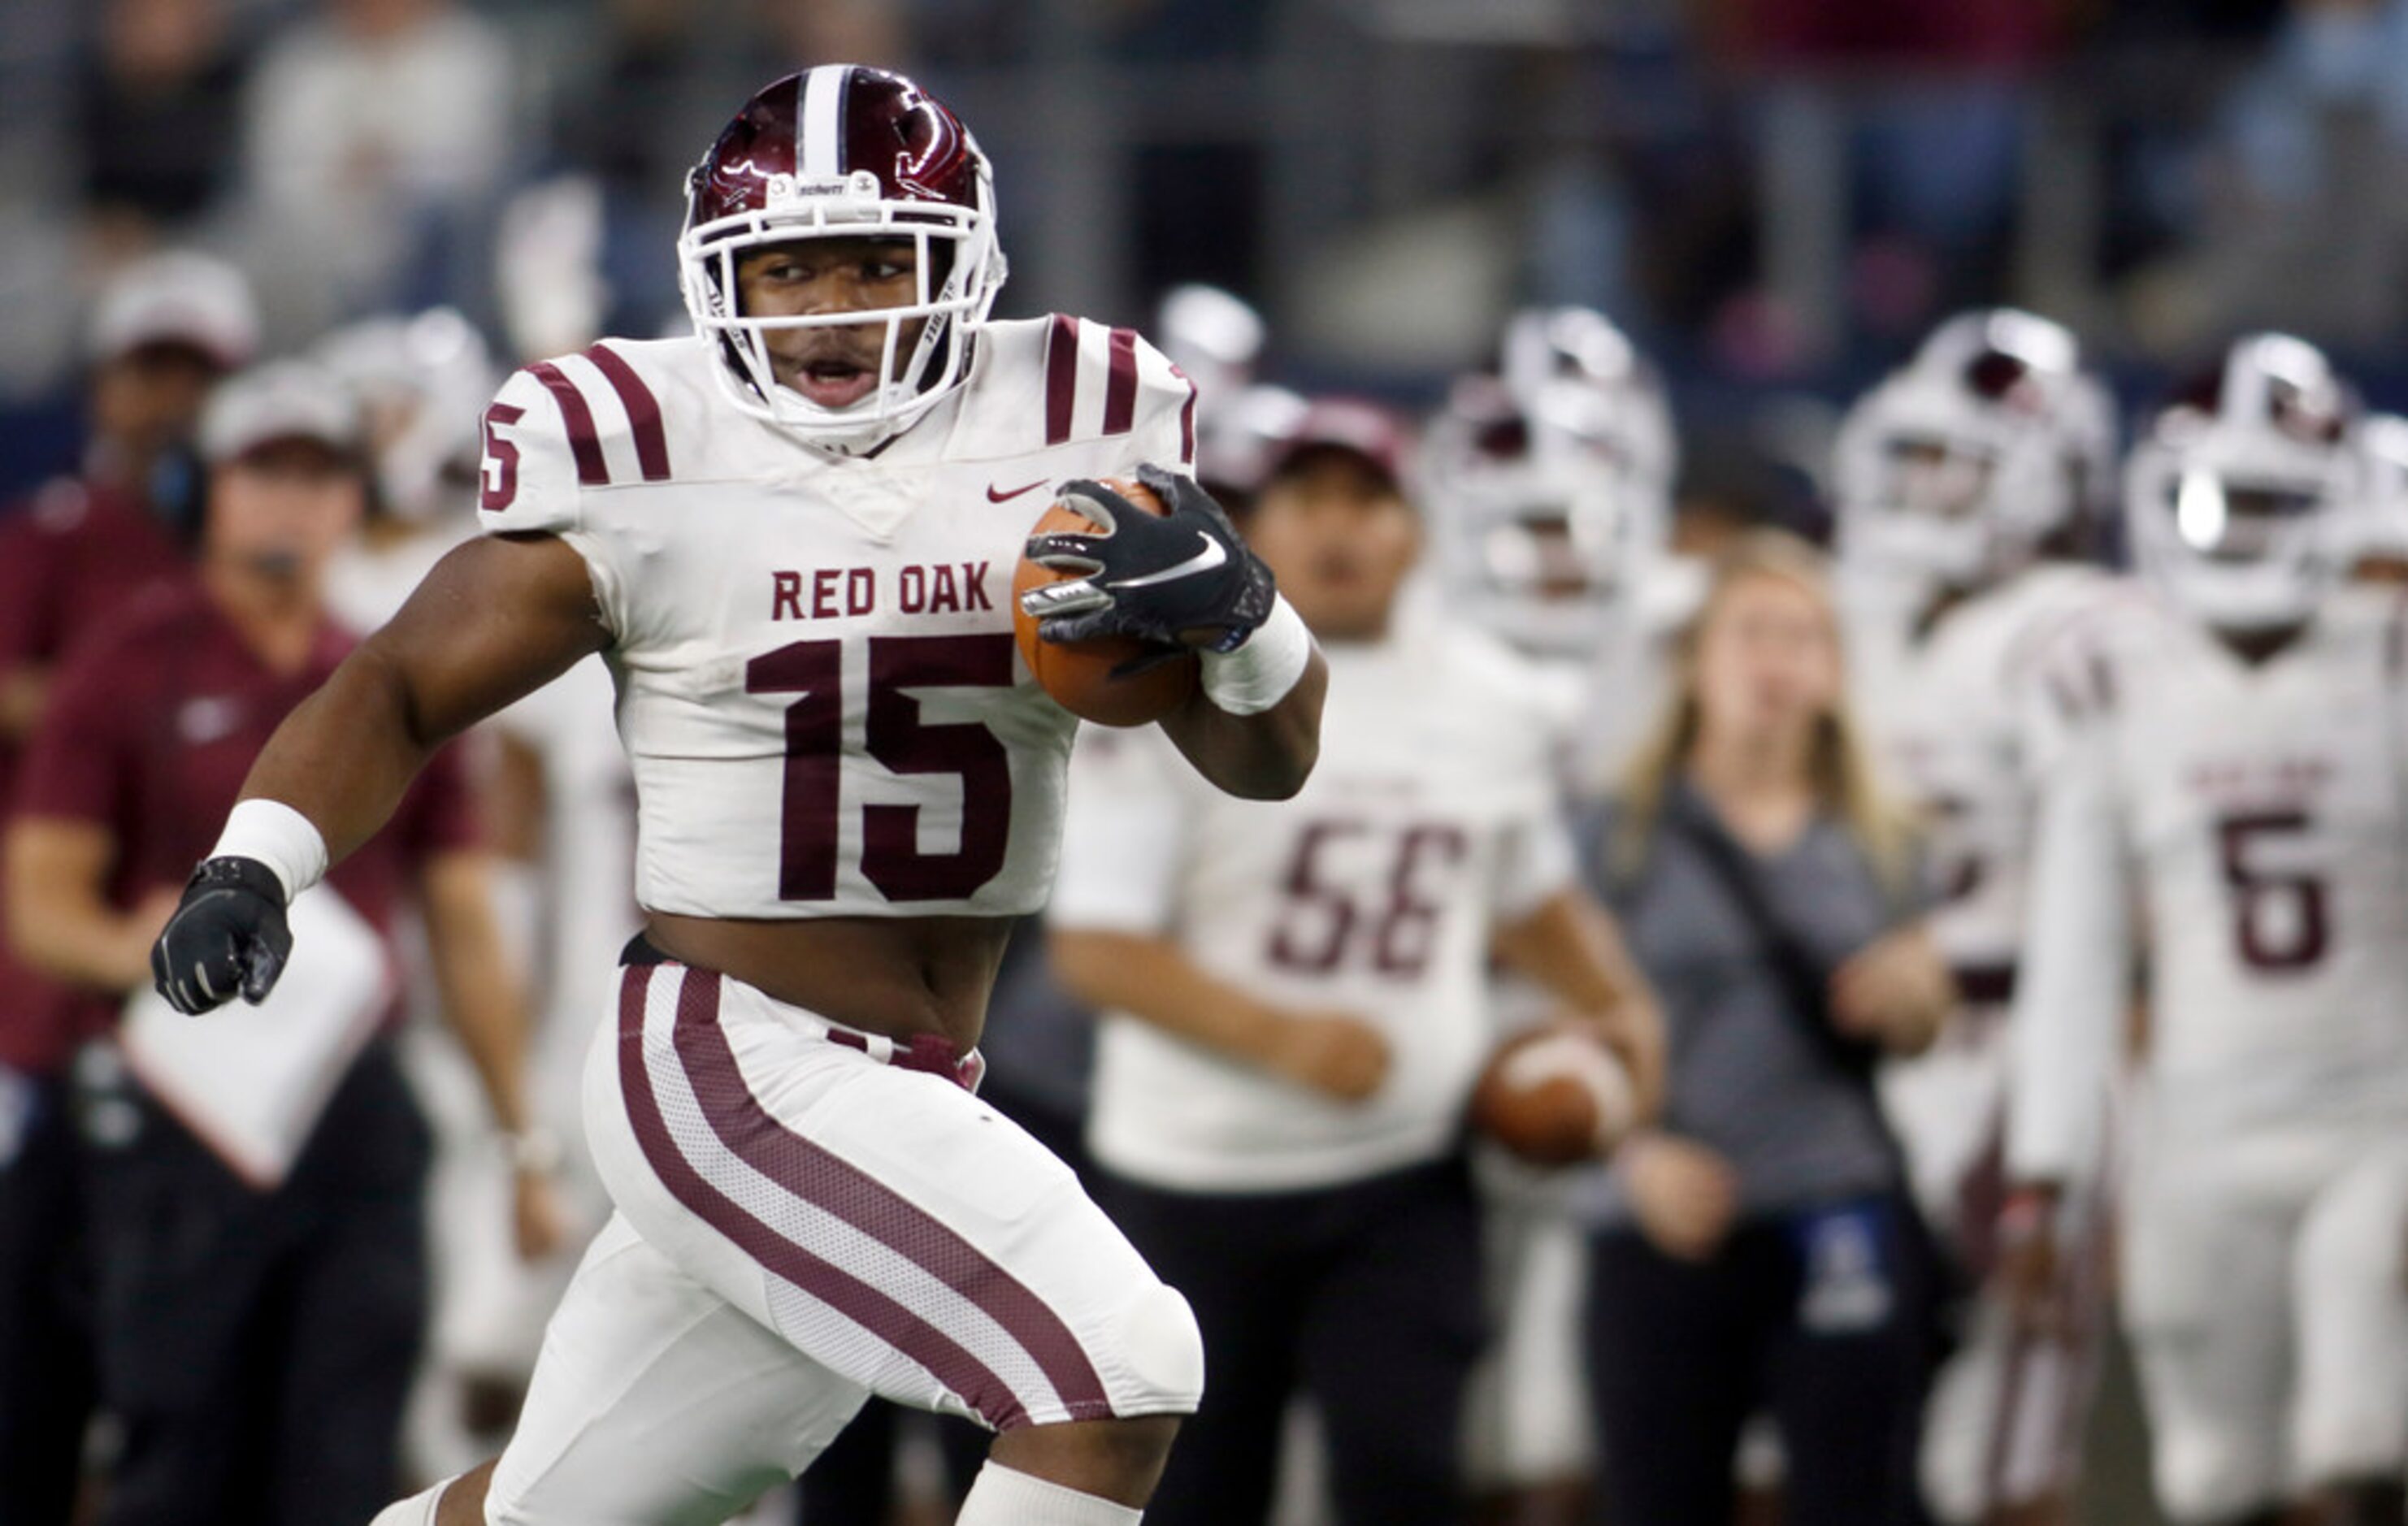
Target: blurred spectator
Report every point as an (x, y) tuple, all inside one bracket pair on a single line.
[(255, 1343), (1761, 1252), (158, 116), (375, 137), (69, 561)]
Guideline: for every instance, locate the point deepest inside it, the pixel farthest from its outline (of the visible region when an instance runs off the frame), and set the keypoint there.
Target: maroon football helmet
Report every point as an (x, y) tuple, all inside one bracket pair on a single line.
[(844, 152)]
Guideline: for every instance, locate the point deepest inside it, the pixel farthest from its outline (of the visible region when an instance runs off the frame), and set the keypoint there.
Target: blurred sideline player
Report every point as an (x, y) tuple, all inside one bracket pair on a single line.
[(2228, 753), (1964, 483), (162, 332), (1217, 340), (1296, 1006), (255, 1343), (559, 806), (792, 535), (1549, 487), (2374, 530)]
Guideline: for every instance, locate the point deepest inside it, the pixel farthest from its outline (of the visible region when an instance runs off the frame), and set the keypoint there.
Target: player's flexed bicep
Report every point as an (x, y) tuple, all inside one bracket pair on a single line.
[(498, 618)]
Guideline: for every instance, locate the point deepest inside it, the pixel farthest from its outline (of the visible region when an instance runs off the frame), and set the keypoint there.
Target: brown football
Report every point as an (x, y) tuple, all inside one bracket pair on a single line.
[(1079, 673), (1554, 1095)]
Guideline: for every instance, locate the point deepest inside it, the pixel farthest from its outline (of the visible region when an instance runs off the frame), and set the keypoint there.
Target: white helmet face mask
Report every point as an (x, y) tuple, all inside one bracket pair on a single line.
[(423, 382), (736, 210), (1952, 471), (2237, 514), (1545, 534)]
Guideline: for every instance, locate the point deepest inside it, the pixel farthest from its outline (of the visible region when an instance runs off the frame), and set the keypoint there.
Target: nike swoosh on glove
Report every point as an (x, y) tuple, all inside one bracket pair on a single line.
[(227, 937), (1158, 575)]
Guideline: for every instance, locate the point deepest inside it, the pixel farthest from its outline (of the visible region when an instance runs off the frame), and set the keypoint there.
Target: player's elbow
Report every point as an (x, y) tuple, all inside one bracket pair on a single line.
[(1281, 778)]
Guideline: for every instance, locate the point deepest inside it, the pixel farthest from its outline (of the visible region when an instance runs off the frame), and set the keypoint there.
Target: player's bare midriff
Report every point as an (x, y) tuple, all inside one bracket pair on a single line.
[(896, 976)]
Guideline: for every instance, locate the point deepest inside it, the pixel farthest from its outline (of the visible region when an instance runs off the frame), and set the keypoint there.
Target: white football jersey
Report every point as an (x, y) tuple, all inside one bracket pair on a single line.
[(2253, 817), (1947, 715), (818, 688), (1432, 816)]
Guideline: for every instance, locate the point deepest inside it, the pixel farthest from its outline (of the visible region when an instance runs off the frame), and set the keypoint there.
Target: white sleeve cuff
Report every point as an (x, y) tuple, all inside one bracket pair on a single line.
[(1259, 674), (276, 835)]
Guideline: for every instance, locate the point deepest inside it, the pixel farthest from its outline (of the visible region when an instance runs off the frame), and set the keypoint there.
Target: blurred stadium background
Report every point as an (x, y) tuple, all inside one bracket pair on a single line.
[(1776, 197)]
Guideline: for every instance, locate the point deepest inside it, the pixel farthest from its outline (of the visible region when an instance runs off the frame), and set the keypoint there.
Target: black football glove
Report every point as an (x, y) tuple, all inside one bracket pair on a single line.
[(1151, 578), (227, 937)]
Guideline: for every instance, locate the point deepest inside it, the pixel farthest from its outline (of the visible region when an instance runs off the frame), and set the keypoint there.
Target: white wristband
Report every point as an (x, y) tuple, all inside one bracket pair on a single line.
[(279, 836), (1259, 674)]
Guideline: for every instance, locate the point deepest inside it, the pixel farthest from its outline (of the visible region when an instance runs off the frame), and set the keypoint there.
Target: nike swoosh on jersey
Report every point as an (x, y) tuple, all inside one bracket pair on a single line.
[(994, 497), (1211, 556)]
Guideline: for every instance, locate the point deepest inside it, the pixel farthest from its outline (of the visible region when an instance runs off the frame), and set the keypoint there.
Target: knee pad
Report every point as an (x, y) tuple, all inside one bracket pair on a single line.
[(1163, 1353)]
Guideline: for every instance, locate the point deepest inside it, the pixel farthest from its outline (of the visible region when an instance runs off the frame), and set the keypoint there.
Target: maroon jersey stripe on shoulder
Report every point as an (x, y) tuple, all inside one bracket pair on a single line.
[(643, 411), (1061, 376), (1120, 383), (583, 442)]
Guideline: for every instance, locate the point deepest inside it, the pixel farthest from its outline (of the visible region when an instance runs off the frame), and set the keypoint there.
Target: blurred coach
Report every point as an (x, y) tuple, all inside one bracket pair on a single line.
[(256, 1345)]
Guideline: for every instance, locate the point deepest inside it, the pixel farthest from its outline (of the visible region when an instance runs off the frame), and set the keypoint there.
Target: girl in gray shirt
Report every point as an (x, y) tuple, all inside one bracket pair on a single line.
[(1756, 1252)]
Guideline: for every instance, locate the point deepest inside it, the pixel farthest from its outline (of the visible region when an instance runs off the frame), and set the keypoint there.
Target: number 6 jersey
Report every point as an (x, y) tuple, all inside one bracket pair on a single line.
[(2248, 822), (817, 684)]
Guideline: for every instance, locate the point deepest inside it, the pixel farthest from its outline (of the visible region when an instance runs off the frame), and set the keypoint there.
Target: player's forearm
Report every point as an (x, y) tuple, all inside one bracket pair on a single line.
[(347, 755), (1266, 756), (1570, 946), (60, 922), (1150, 979), (482, 997), (2070, 996), (25, 691), (81, 941)]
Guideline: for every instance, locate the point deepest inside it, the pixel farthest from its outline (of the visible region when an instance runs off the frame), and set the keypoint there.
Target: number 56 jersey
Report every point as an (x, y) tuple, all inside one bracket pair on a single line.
[(818, 689), (2247, 822), (1431, 817)]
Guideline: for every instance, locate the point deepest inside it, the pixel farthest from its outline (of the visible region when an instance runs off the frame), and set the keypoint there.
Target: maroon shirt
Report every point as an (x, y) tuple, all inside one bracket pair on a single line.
[(151, 732), (70, 558)]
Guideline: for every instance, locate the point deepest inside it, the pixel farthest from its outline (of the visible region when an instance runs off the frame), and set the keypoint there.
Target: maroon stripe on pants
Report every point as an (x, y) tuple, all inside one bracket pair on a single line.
[(1061, 376), (856, 1299), (1120, 383), (643, 411), (1186, 421), (843, 1189), (590, 472)]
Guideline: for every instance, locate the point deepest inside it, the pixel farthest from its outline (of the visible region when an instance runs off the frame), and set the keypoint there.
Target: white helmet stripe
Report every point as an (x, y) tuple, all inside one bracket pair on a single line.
[(821, 124)]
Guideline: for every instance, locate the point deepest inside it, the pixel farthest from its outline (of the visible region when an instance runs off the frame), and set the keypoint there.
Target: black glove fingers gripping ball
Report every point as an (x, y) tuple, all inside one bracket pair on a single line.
[(1184, 570)]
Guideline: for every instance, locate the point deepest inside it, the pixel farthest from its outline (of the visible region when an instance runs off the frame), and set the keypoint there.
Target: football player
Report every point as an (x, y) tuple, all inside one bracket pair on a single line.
[(1299, 1010), (792, 535), (1550, 493), (1548, 484), (1963, 482), (1216, 339), (422, 381), (2225, 751)]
